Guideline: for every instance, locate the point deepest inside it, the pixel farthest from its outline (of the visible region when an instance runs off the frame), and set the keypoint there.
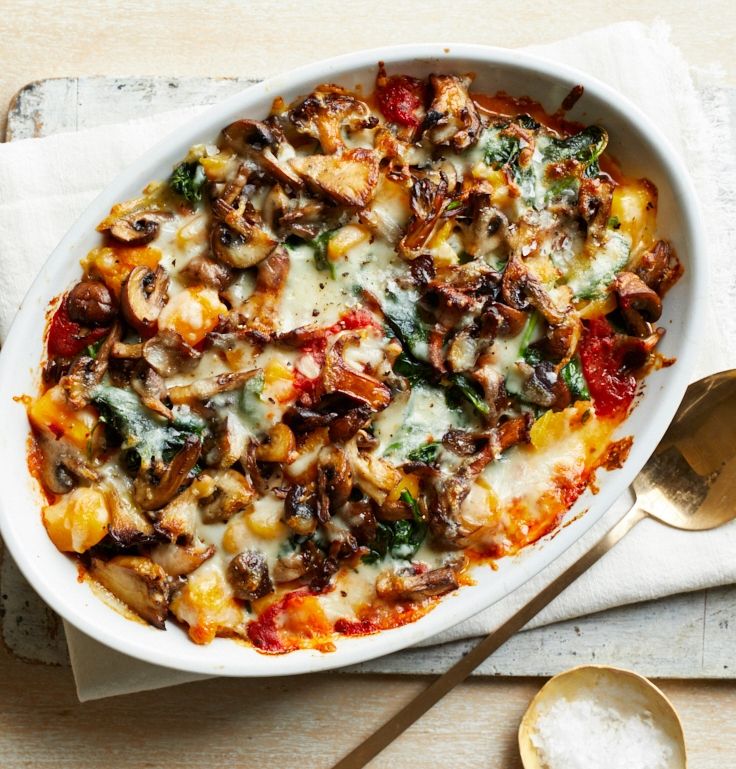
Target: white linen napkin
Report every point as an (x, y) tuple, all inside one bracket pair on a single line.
[(45, 184)]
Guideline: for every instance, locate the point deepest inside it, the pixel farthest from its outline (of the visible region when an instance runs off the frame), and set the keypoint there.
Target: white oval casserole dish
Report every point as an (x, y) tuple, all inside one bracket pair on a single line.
[(634, 141)]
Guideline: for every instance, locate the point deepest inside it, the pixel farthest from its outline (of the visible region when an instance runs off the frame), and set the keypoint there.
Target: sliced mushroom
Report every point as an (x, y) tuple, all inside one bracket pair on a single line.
[(520, 288), (326, 112), (463, 349), (280, 446), (177, 521), (375, 476), (136, 227), (127, 350), (392, 586), (204, 389), (639, 304), (289, 568), (180, 560), (231, 493), (452, 117), (152, 490), (260, 310), (202, 271), (151, 388), (62, 464), (543, 386), (334, 481), (300, 509), (659, 267), (86, 372), (91, 303), (127, 525), (337, 376), (594, 203), (138, 582), (239, 245), (500, 320), (488, 229), (429, 199), (248, 575), (168, 354), (360, 517), (265, 145), (349, 179), (143, 297)]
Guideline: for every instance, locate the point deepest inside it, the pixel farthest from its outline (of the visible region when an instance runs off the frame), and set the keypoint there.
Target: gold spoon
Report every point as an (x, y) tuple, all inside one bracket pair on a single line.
[(688, 483), (624, 690)]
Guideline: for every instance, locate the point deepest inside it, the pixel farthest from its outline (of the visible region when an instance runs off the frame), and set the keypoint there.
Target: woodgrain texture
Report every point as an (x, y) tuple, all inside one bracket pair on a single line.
[(304, 722)]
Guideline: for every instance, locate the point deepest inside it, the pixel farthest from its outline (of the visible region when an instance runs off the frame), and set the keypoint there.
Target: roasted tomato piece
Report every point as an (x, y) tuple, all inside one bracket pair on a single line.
[(401, 99), (611, 385), (68, 338)]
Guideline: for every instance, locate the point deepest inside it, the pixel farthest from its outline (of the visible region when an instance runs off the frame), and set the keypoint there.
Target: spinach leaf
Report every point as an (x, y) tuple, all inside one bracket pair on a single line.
[(585, 147), (426, 453), (414, 370), (381, 543), (319, 246), (526, 337), (146, 437), (187, 180), (401, 539), (464, 386), (573, 376), (403, 319), (499, 149)]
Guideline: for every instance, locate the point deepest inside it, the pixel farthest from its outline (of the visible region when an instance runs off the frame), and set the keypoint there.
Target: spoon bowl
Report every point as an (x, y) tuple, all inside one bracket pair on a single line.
[(690, 480), (622, 690)]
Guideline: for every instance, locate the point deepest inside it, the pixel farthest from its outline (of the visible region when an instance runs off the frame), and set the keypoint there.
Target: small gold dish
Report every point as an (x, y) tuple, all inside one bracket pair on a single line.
[(633, 705)]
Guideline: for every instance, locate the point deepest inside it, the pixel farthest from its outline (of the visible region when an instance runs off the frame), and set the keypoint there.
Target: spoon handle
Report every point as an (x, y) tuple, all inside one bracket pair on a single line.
[(418, 706)]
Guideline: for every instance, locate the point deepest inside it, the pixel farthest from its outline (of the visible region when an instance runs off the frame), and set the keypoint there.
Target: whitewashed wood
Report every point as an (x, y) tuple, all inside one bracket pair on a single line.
[(701, 626)]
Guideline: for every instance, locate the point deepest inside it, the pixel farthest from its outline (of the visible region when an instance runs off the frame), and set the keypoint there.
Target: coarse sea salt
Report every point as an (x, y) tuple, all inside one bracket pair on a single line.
[(584, 734)]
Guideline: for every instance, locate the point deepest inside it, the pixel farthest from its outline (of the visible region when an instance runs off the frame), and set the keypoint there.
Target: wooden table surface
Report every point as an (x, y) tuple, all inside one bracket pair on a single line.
[(309, 721)]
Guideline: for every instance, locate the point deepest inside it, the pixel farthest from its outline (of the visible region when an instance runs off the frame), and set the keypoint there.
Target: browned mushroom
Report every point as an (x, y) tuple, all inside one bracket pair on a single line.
[(138, 582), (326, 112), (543, 386), (452, 118), (241, 245), (263, 143), (375, 476), (152, 490), (62, 463), (127, 350), (279, 447), (463, 349), (91, 303), (429, 199), (349, 179), (143, 297), (492, 381), (231, 493), (248, 575), (260, 310), (151, 388), (488, 229), (300, 509), (500, 320), (639, 304), (127, 526), (204, 389), (520, 288), (202, 271), (86, 372), (334, 481), (337, 376), (393, 586), (288, 568), (135, 227), (659, 267), (179, 560), (594, 203), (177, 521), (168, 354)]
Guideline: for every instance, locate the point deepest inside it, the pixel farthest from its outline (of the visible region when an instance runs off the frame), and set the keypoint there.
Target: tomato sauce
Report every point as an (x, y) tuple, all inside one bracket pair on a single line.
[(611, 386)]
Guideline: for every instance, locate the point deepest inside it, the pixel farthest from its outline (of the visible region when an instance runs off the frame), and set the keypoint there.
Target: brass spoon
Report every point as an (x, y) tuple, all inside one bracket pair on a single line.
[(688, 483)]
